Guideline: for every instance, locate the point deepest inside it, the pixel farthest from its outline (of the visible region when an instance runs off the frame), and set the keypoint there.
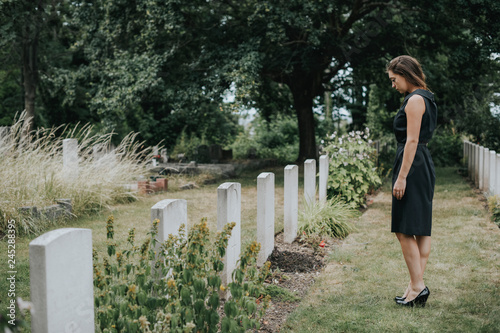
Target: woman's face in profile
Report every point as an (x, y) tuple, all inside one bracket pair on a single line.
[(398, 82)]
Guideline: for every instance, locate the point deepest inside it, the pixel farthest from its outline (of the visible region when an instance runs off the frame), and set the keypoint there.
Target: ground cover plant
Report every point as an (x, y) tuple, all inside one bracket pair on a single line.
[(182, 291), (352, 168), (333, 218), (32, 174)]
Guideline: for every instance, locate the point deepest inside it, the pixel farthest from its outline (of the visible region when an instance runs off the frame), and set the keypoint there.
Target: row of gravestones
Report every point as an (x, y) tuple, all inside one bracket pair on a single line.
[(61, 271), (483, 166)]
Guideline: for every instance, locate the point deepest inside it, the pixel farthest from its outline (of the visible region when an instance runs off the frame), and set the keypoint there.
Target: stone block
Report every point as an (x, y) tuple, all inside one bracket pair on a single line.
[(291, 203), (229, 210), (310, 181), (61, 281), (265, 215)]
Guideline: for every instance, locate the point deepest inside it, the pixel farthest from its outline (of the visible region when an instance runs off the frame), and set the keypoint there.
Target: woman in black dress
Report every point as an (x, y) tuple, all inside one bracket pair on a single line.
[(413, 174)]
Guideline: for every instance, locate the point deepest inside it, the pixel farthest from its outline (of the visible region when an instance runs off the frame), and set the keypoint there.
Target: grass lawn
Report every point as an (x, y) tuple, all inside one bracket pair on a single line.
[(355, 292)]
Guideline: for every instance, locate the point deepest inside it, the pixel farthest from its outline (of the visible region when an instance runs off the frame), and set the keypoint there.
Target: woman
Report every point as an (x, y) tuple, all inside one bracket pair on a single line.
[(413, 174)]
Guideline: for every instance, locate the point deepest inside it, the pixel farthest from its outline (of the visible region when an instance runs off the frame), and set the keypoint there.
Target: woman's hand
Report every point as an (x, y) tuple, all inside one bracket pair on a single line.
[(399, 188)]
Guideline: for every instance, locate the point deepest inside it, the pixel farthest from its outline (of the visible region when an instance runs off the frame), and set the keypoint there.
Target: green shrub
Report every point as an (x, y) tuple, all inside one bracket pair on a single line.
[(32, 174), (446, 147), (276, 139), (330, 218), (494, 207), (182, 293), (353, 172)]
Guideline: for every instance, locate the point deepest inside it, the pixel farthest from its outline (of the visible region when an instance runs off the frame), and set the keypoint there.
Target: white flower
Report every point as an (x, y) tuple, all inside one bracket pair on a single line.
[(322, 141), (370, 141), (360, 142), (345, 163), (340, 140), (365, 137)]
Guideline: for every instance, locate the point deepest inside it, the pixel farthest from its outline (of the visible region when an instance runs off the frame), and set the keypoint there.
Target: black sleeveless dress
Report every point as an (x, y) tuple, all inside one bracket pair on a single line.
[(412, 215)]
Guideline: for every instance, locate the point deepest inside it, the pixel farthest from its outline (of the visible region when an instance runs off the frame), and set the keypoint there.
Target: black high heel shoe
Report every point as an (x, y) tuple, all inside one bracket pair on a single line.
[(399, 298), (420, 300)]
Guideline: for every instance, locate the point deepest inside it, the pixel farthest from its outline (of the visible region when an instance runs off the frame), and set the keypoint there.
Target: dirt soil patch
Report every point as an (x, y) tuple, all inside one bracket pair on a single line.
[(294, 267)]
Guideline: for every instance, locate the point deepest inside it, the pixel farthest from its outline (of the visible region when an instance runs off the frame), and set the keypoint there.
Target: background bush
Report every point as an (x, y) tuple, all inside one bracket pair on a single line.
[(446, 147), (353, 172), (277, 138)]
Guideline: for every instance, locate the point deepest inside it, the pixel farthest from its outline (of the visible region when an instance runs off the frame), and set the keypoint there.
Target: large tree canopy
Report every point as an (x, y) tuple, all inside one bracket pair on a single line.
[(162, 66)]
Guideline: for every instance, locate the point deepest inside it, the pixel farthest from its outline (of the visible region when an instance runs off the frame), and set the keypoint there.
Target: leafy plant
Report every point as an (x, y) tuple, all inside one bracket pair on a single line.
[(494, 207), (353, 173), (182, 291), (330, 218)]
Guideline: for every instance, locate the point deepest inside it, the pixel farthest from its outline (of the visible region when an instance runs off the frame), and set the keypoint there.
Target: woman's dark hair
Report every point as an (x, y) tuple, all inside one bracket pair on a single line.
[(409, 68)]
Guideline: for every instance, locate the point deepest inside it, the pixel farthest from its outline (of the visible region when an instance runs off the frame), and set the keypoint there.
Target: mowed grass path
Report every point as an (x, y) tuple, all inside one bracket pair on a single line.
[(355, 292)]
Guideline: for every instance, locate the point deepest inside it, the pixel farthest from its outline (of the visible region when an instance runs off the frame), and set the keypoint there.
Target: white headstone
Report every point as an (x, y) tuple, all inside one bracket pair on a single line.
[(229, 210), (310, 181), (323, 176), (497, 176), (265, 215), (493, 174), (70, 157), (291, 203), (481, 166), (172, 213), (155, 150), (486, 170), (61, 281)]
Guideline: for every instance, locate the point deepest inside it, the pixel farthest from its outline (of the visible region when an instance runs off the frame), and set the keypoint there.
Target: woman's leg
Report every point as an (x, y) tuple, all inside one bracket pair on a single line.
[(411, 254), (424, 247)]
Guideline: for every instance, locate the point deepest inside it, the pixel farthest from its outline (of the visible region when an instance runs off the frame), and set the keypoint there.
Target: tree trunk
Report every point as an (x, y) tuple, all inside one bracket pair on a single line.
[(29, 55), (303, 104)]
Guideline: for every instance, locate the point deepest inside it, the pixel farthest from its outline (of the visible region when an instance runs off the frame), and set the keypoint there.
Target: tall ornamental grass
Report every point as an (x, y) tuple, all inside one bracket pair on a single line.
[(32, 174)]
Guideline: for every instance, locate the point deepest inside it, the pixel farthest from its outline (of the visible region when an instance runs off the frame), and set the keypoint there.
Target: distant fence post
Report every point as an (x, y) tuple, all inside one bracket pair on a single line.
[(291, 203), (61, 281), (265, 215), (323, 177), (497, 180), (493, 173), (481, 168), (229, 210), (310, 181), (486, 172), (476, 166)]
